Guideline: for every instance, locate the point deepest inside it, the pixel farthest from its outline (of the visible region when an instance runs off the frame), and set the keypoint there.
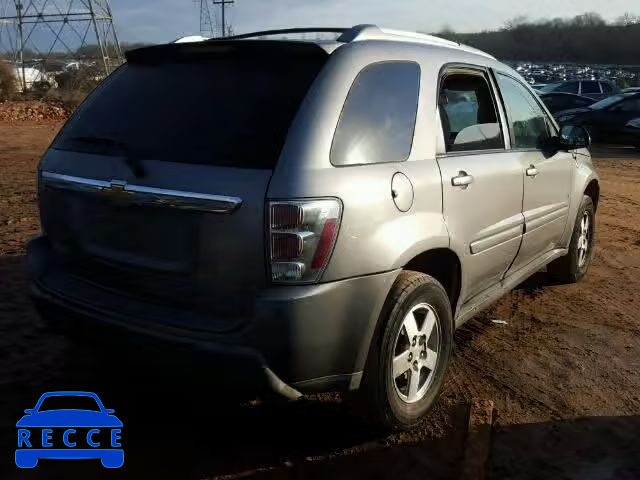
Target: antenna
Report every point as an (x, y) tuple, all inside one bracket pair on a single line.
[(45, 30), (207, 25)]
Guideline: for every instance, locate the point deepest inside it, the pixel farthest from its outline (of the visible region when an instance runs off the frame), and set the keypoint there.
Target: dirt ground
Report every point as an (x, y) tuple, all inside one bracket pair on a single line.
[(563, 372)]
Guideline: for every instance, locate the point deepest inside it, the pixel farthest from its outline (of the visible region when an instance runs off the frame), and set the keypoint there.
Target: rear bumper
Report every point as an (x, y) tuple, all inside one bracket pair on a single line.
[(306, 338)]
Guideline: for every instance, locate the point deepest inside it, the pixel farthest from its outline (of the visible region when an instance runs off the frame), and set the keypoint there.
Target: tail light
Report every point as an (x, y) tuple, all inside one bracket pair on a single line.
[(302, 234)]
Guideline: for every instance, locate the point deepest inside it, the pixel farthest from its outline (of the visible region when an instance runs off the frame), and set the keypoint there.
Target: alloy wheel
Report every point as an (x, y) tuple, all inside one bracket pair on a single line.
[(584, 239), (415, 353)]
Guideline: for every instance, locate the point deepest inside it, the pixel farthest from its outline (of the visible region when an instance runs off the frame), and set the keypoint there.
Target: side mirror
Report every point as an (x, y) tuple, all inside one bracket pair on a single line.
[(109, 411), (29, 411), (573, 137)]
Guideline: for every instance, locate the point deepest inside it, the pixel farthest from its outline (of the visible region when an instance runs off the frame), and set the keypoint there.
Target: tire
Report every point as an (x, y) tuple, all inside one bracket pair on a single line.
[(389, 401), (573, 266)]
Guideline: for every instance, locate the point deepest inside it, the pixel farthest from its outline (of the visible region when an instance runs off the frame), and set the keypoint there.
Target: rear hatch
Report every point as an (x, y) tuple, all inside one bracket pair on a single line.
[(156, 187)]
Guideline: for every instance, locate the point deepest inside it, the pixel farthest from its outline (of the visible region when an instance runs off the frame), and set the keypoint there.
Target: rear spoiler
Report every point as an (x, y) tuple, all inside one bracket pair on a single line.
[(209, 49)]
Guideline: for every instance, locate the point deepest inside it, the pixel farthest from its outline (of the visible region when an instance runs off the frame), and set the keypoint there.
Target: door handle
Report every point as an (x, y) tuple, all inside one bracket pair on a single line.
[(532, 171), (462, 180)]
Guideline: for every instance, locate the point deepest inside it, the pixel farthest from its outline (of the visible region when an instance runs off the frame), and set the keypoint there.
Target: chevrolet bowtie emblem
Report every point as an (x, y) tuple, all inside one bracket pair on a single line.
[(117, 192)]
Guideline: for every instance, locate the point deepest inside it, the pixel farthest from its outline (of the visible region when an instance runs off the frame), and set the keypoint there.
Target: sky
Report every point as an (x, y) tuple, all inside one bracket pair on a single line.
[(165, 20)]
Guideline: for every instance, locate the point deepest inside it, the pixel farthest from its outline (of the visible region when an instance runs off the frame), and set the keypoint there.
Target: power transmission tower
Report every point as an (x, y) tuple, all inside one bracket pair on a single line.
[(45, 30), (206, 24), (208, 21)]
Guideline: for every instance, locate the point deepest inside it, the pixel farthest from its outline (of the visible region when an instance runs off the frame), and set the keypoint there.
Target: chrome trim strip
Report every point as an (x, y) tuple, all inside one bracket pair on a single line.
[(496, 239), (547, 218), (543, 211), (144, 196), (498, 233), (69, 182)]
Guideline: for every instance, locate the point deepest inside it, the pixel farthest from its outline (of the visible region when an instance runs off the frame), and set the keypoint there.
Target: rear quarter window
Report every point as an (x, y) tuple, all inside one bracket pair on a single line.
[(379, 115)]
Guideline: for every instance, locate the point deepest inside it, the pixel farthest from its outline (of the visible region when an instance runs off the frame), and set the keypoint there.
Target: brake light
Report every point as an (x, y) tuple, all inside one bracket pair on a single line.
[(302, 234)]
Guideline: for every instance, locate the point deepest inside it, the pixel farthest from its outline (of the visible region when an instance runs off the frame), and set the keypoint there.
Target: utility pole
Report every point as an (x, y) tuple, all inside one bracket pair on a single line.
[(223, 4)]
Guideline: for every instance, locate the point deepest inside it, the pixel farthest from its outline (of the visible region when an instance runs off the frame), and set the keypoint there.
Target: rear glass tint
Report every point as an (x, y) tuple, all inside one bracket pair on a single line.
[(225, 112)]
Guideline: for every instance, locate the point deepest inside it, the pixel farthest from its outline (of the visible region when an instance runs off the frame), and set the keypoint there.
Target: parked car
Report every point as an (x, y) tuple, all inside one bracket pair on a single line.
[(596, 89), (558, 101), (297, 207), (613, 120)]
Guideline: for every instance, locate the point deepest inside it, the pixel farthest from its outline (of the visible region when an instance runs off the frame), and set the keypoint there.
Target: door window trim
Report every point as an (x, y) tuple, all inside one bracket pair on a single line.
[(551, 124), (485, 73)]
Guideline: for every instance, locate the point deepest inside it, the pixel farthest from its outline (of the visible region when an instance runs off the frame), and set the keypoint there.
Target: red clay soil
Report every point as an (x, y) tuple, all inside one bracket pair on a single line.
[(563, 372)]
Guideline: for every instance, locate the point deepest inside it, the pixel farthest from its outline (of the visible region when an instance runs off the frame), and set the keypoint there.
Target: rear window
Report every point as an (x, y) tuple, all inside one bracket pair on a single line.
[(225, 112), (590, 87)]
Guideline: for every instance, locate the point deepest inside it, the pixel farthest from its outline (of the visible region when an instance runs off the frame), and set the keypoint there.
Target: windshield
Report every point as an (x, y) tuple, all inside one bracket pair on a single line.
[(69, 402), (606, 102), (226, 112)]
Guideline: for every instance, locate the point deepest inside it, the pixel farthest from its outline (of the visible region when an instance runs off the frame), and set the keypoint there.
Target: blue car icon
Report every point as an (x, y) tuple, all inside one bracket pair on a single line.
[(76, 421)]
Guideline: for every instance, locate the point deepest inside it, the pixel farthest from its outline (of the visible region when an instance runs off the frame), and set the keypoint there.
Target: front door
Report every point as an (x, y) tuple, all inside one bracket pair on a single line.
[(547, 175), (482, 181)]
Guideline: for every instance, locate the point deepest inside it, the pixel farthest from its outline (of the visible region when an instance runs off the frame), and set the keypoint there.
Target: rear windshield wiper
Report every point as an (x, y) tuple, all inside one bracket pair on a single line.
[(122, 148)]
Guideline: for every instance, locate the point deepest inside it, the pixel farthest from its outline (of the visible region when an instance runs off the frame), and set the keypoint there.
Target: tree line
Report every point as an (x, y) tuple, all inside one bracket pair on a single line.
[(586, 38)]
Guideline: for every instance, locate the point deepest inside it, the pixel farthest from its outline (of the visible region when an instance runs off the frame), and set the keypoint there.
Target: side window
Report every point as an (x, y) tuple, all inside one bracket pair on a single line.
[(629, 105), (590, 87), (526, 118), (379, 116), (568, 87), (468, 114)]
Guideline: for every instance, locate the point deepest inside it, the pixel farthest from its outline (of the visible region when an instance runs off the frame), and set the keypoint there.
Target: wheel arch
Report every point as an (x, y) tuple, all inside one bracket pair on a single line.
[(593, 191), (439, 262), (444, 265)]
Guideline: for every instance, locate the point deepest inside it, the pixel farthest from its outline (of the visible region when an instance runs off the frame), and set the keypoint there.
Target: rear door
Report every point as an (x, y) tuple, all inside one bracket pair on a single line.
[(547, 175), (156, 187), (481, 180)]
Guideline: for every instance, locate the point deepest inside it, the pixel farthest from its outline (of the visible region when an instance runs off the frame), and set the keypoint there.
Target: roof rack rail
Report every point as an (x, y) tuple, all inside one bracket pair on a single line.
[(364, 32), (373, 32), (284, 31)]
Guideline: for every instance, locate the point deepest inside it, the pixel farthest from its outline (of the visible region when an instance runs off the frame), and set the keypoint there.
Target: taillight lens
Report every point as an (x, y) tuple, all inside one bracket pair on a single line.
[(302, 234)]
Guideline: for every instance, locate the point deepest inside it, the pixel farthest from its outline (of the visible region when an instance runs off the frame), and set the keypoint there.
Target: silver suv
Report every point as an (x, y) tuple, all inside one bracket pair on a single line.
[(324, 214)]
